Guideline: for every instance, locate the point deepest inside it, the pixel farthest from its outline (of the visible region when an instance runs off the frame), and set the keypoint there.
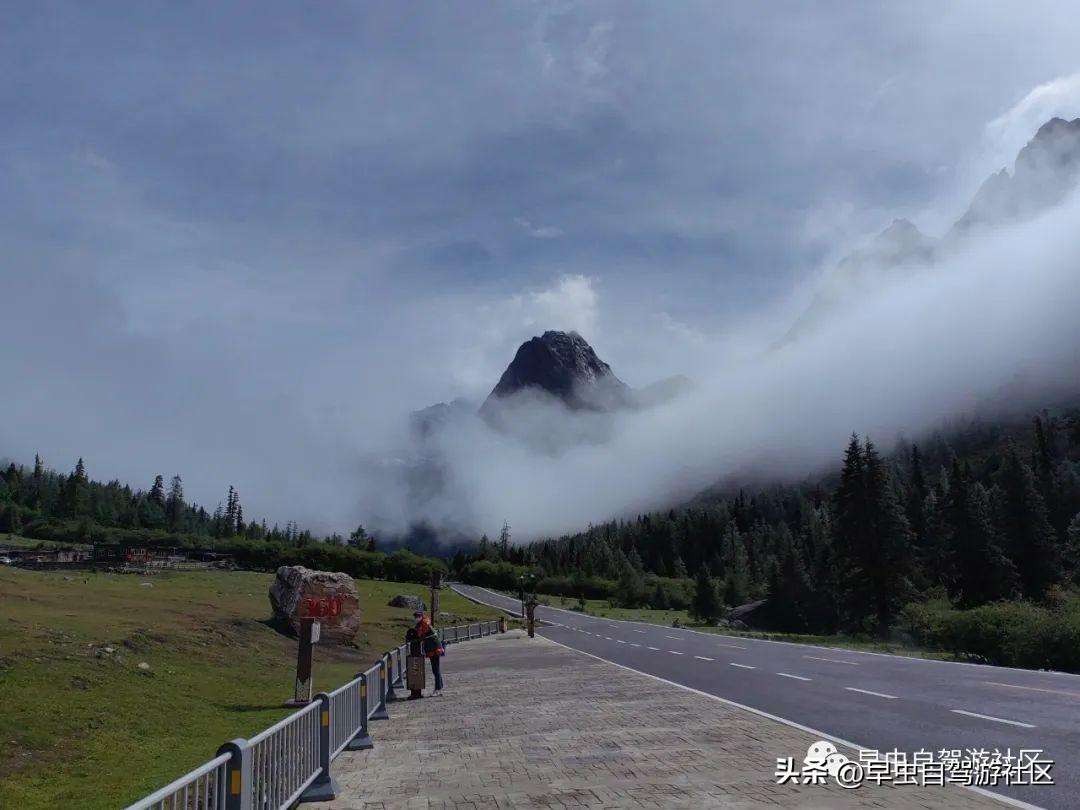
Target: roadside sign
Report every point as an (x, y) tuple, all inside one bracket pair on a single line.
[(316, 630)]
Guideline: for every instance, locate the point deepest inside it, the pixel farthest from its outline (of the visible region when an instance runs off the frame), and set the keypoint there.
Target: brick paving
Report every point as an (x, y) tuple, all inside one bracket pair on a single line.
[(530, 724)]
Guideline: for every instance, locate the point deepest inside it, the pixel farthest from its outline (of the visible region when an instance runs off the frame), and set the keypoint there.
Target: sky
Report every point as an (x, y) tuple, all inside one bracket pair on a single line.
[(241, 242)]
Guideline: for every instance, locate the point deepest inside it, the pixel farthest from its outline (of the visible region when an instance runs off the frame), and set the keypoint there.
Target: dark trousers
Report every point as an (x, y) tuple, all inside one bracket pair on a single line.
[(436, 671)]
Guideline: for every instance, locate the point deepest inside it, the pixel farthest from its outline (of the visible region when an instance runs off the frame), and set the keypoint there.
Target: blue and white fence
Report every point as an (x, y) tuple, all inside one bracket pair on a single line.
[(290, 762)]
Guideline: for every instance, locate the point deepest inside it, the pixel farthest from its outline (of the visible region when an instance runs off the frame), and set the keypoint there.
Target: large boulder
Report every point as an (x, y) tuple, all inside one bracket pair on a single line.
[(407, 600), (331, 597)]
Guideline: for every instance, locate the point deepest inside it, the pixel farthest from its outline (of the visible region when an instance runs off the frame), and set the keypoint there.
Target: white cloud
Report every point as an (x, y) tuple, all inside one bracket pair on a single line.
[(1011, 130), (569, 305)]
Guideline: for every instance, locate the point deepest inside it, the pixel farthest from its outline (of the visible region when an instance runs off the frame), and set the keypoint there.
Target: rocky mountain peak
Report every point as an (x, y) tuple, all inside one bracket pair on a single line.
[(1046, 170), (563, 365)]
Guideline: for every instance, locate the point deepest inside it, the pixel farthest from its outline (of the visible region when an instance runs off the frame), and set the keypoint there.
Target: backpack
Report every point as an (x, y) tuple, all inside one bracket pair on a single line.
[(432, 642)]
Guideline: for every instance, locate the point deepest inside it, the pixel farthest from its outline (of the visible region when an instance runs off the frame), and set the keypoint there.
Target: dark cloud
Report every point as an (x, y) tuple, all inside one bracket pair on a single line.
[(243, 240)]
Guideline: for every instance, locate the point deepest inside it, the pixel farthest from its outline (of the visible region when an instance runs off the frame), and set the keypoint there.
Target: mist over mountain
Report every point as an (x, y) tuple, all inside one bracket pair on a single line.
[(256, 284), (908, 333), (1045, 172), (554, 396)]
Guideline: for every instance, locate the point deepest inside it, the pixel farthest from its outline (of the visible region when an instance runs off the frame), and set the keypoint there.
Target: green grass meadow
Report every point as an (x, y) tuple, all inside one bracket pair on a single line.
[(83, 726)]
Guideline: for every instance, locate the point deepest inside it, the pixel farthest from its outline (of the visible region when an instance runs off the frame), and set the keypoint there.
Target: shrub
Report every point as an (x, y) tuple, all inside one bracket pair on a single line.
[(500, 575), (1020, 634)]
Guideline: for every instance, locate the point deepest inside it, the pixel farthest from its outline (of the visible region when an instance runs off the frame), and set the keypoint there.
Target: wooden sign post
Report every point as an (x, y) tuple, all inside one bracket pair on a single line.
[(311, 610), (436, 586)]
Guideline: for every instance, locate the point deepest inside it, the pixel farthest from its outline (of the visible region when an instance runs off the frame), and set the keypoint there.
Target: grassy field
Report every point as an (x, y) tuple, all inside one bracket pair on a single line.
[(81, 725), (681, 618)]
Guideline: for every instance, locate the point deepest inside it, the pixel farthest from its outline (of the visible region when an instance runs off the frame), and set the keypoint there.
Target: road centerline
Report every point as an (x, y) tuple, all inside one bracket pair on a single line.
[(794, 677), (868, 692), (992, 718)]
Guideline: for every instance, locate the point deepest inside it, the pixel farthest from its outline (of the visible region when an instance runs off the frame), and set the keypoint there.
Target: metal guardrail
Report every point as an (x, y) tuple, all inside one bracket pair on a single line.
[(205, 788), (285, 757), (290, 762)]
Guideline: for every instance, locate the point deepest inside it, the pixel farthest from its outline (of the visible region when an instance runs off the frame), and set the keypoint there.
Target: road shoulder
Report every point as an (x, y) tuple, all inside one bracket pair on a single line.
[(529, 723)]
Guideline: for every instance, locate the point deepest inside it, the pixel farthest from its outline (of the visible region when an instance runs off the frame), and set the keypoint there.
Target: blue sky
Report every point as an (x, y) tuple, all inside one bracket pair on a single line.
[(242, 240)]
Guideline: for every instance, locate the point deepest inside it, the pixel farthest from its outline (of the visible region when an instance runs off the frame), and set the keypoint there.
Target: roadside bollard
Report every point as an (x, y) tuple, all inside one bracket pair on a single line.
[(391, 695), (324, 788), (380, 708), (237, 775), (361, 741), (502, 624)]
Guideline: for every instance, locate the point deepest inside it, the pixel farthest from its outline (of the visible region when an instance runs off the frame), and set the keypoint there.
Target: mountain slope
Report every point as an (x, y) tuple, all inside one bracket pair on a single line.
[(562, 365), (1045, 171)]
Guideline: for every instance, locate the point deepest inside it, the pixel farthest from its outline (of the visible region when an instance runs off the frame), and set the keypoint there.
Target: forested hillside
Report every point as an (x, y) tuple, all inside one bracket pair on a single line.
[(44, 504), (971, 516)]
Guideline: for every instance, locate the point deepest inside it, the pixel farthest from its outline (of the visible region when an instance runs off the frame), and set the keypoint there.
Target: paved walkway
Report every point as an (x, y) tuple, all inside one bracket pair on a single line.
[(530, 724)]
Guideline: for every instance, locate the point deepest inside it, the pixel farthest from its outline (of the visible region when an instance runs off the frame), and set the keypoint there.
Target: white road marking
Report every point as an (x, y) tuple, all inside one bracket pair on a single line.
[(868, 692), (675, 652), (1035, 689), (796, 677), (741, 666), (620, 641), (703, 658), (824, 735), (831, 660), (637, 631), (632, 644), (655, 649), (608, 638), (995, 719), (734, 646), (675, 638)]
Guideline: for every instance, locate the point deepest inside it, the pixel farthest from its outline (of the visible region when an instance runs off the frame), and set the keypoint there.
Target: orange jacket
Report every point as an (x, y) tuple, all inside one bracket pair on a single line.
[(424, 629)]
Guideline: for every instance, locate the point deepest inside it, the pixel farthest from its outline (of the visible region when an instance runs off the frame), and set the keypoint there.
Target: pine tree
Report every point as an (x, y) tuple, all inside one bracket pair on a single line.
[(630, 586), (358, 538), (873, 539), (790, 594), (156, 495), (504, 541), (706, 605), (75, 491), (229, 518), (1048, 478), (174, 504), (736, 581), (1071, 552), (979, 570), (916, 501), (1027, 531), (37, 484), (678, 568)]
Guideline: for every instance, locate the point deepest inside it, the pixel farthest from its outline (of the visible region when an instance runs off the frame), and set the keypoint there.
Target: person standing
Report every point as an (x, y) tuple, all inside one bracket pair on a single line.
[(432, 647)]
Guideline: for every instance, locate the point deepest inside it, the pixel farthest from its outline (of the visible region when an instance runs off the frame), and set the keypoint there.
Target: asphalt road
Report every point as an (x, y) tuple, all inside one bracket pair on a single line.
[(867, 699)]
